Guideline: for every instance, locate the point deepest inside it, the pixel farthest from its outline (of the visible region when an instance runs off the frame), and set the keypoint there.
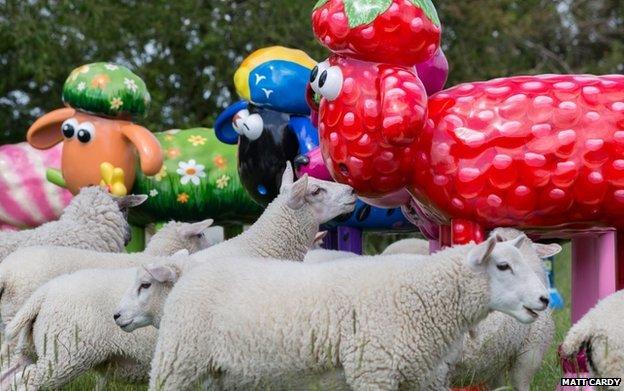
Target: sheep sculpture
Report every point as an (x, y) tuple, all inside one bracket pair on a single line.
[(93, 220), (386, 323)]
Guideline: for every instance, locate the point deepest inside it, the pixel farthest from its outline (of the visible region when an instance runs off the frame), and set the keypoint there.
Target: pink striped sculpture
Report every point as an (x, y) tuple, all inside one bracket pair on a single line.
[(27, 199)]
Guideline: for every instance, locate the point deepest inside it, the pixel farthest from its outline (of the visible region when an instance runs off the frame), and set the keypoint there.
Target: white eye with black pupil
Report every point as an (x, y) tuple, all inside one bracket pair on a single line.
[(317, 71), (238, 120), (253, 126), (69, 127), (85, 132), (330, 83)]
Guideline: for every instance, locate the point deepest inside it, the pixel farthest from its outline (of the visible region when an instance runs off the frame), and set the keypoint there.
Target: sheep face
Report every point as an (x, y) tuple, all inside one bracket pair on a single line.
[(90, 140), (199, 236), (143, 302), (325, 200), (515, 289)]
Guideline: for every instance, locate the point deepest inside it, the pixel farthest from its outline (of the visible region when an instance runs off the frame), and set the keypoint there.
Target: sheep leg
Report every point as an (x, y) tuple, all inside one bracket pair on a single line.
[(525, 367), (179, 368)]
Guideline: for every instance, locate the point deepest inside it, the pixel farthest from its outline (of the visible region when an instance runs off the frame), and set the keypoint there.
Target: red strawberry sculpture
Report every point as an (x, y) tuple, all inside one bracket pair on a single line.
[(374, 103), (527, 151)]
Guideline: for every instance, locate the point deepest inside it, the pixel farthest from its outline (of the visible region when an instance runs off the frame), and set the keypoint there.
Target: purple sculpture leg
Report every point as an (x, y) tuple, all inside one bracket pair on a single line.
[(594, 276), (349, 239), (594, 272)]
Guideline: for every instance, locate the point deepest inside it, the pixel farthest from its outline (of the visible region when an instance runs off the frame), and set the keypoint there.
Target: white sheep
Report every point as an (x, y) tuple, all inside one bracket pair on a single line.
[(28, 268), (286, 229), (499, 343), (93, 220), (408, 246), (386, 322), (600, 333)]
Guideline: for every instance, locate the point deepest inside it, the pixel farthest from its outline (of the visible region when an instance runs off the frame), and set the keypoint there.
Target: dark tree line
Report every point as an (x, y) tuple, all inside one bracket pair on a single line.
[(187, 50)]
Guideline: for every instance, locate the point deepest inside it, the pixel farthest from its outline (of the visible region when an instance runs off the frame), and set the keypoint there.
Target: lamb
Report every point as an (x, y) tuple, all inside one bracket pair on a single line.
[(408, 246), (93, 220), (600, 333), (499, 343), (28, 268), (386, 323), (301, 207)]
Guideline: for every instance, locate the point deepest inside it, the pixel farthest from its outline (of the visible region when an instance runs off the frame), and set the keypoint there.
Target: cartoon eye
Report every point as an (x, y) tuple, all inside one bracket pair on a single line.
[(69, 127), (85, 132), (253, 126), (315, 75), (330, 83), (238, 119)]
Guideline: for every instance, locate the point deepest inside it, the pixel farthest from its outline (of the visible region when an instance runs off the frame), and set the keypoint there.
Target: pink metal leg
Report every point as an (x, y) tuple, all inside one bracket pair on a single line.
[(594, 270)]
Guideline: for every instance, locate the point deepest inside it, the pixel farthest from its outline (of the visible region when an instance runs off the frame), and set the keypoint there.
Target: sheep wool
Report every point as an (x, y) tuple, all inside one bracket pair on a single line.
[(500, 344), (85, 329), (358, 315), (408, 246), (324, 255), (92, 220), (600, 332), (28, 268)]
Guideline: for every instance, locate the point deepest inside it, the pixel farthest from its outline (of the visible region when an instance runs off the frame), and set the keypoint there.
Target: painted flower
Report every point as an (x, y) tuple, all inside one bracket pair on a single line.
[(183, 198), (222, 181), (153, 193), (76, 72), (161, 174), (190, 172), (100, 81), (173, 153), (169, 137), (111, 67), (81, 86), (130, 84), (116, 103), (197, 140), (220, 162)]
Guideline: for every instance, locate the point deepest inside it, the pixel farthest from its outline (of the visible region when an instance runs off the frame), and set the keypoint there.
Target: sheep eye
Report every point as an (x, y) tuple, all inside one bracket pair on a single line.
[(253, 126), (317, 74), (201, 235), (239, 119), (85, 132), (317, 191), (330, 83), (69, 127), (144, 285), (503, 266)]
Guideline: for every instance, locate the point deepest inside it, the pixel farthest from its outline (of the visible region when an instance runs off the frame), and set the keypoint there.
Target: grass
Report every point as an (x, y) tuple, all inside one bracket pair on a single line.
[(546, 378)]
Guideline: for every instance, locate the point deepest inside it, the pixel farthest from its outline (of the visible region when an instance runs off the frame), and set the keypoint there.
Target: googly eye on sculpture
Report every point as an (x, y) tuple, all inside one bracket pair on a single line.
[(96, 128)]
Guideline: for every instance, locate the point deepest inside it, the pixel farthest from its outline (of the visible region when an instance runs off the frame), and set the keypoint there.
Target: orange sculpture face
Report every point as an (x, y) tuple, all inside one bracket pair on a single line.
[(90, 140)]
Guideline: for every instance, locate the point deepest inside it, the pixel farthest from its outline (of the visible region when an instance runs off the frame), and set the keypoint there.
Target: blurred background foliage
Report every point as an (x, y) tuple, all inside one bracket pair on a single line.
[(187, 50)]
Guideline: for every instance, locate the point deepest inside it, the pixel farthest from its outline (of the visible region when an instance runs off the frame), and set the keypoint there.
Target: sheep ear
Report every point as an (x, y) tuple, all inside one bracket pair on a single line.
[(162, 273), (318, 238), (517, 242), (148, 147), (45, 132), (194, 229), (287, 177), (297, 192), (130, 201), (546, 250), (478, 256)]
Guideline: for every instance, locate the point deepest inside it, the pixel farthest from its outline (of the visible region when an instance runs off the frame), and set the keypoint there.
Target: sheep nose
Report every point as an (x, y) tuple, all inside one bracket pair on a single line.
[(116, 316), (352, 191), (545, 300)]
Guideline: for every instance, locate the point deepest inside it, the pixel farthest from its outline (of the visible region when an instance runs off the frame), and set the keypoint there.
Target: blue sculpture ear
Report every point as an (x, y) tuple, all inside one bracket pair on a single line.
[(223, 125)]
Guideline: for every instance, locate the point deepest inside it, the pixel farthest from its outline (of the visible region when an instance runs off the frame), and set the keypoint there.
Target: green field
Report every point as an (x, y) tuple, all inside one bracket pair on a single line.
[(546, 378)]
